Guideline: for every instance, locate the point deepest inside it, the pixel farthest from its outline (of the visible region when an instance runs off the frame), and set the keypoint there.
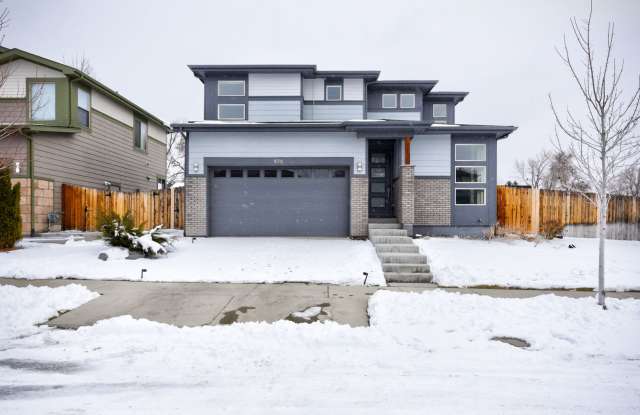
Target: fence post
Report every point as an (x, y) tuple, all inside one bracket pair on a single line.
[(535, 210), (172, 214)]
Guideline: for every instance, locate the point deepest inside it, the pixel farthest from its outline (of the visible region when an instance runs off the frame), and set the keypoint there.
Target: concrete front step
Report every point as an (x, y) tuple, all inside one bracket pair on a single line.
[(407, 249), (391, 240), (416, 277), (384, 226), (402, 258), (406, 268), (388, 232), (383, 220)]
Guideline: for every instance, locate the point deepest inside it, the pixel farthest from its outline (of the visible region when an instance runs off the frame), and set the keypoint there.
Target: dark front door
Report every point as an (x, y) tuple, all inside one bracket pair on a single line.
[(380, 179)]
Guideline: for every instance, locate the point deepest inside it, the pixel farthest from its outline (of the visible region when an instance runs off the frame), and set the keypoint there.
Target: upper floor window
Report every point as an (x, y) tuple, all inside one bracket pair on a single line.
[(334, 92), (139, 134), (231, 111), (389, 101), (83, 107), (471, 152), (471, 174), (231, 88), (43, 101), (439, 110), (407, 100)]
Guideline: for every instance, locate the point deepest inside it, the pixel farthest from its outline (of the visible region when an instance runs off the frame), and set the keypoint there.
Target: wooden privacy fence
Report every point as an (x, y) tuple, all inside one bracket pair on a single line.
[(526, 210), (82, 205)]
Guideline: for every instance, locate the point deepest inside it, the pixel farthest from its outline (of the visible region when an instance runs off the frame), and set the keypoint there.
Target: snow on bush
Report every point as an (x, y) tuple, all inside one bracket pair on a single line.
[(120, 231), (22, 308)]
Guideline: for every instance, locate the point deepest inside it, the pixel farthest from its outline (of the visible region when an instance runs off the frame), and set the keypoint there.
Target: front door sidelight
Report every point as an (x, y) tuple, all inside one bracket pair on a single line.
[(380, 180)]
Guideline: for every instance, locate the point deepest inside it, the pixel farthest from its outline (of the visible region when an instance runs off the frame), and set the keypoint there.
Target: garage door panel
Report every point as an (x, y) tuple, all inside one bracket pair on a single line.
[(282, 206)]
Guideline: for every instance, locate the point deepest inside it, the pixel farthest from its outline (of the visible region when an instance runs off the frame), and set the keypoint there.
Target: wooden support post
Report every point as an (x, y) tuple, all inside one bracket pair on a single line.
[(407, 150), (172, 208)]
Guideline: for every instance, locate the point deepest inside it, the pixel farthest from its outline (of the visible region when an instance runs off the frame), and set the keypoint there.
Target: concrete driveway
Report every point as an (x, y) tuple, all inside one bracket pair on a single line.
[(196, 304)]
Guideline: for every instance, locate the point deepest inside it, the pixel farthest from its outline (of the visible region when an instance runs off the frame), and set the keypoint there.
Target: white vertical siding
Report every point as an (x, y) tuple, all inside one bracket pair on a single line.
[(17, 72), (353, 89), (274, 111), (274, 84), (431, 155), (313, 89), (275, 144), (332, 112), (397, 115), (111, 108)]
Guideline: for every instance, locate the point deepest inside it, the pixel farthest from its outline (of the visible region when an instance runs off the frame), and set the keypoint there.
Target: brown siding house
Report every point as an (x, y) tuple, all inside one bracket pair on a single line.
[(62, 126)]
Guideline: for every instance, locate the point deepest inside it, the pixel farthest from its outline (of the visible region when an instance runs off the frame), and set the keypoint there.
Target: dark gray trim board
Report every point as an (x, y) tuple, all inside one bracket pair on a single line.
[(468, 231), (279, 162)]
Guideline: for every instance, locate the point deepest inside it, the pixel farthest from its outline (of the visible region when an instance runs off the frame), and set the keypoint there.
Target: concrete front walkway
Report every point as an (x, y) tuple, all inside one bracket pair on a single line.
[(196, 304)]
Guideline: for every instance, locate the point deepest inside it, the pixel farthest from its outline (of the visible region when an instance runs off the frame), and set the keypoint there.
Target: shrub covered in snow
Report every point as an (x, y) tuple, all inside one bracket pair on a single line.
[(10, 222), (121, 231)]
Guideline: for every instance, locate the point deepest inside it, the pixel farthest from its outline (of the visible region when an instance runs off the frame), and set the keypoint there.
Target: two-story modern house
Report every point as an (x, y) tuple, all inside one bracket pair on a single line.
[(291, 150), (62, 126)]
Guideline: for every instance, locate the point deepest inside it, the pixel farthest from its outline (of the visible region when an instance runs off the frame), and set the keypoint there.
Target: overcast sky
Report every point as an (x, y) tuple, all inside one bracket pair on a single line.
[(502, 52)]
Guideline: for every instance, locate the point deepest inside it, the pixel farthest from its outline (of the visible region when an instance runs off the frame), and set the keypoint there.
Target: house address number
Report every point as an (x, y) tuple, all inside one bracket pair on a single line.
[(278, 161)]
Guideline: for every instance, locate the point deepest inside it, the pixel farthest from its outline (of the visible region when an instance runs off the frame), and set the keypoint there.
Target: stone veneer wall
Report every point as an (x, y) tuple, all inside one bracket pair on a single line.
[(359, 205), (433, 201), (195, 206), (43, 204), (406, 196)]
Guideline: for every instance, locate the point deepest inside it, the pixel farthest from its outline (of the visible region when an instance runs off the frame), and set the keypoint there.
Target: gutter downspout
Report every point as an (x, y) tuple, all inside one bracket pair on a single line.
[(32, 200)]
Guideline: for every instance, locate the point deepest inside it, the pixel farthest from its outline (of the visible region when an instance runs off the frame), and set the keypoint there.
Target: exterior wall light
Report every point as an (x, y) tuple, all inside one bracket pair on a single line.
[(196, 167), (359, 167)]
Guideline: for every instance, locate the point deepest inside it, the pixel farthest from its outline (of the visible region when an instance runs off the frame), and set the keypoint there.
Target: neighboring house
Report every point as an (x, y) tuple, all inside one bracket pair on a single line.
[(63, 126), (291, 150)]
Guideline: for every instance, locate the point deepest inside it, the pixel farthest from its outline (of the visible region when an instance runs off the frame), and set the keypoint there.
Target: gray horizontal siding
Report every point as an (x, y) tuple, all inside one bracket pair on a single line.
[(13, 149), (329, 112), (394, 115), (274, 145), (89, 158), (431, 155), (274, 111)]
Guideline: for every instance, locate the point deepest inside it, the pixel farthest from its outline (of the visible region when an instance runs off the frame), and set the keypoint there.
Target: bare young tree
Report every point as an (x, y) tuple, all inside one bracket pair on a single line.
[(561, 174), (81, 63), (533, 170), (175, 158), (604, 144)]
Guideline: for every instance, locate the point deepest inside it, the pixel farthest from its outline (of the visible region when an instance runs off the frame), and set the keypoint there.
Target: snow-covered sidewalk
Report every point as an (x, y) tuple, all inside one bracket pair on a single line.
[(543, 264), (318, 260), (430, 351)]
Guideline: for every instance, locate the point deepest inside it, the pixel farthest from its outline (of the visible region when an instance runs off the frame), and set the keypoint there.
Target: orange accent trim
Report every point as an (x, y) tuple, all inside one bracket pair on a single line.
[(407, 150)]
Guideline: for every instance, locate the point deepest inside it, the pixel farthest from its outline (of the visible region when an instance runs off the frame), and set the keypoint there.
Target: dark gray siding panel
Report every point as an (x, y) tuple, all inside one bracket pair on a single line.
[(427, 110), (374, 100), (89, 158), (279, 206), (475, 215), (211, 99)]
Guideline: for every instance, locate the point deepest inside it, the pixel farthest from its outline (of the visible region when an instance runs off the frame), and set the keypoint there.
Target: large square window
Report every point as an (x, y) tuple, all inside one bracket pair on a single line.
[(389, 101), (231, 88), (470, 197), (334, 92), (471, 174), (439, 110), (43, 101), (231, 111), (407, 100), (471, 152)]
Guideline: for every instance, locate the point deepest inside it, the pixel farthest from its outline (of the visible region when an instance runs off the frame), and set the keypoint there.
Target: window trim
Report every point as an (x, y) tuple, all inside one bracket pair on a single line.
[(455, 196), (31, 83), (433, 110), (395, 101), (235, 81), (484, 160), (326, 92), (244, 112), (455, 176), (413, 105)]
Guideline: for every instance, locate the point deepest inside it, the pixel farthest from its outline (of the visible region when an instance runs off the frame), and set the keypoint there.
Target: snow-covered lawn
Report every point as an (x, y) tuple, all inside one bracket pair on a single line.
[(328, 260), (424, 353), (545, 264)]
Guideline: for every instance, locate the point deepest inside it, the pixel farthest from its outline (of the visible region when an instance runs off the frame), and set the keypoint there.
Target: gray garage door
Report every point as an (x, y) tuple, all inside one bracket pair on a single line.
[(279, 201)]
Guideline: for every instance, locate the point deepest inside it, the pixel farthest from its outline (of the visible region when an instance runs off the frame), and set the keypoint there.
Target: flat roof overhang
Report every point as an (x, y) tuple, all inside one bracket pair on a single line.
[(364, 128)]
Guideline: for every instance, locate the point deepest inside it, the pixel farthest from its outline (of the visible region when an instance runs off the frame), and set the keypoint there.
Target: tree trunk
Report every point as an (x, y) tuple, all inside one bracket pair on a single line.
[(602, 234)]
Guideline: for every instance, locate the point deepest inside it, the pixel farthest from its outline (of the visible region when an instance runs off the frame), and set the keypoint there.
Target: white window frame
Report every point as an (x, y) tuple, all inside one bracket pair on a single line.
[(455, 176), (244, 88), (244, 112), (395, 101), (413, 104), (433, 110), (471, 144), (455, 196), (326, 92)]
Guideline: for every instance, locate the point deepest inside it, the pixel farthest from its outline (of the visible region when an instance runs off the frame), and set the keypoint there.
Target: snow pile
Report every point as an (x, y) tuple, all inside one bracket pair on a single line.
[(543, 264), (423, 349), (21, 308), (328, 260)]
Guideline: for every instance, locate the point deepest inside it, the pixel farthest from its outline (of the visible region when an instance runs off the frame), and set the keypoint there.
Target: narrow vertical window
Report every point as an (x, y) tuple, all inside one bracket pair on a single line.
[(83, 107), (43, 101), (140, 134)]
